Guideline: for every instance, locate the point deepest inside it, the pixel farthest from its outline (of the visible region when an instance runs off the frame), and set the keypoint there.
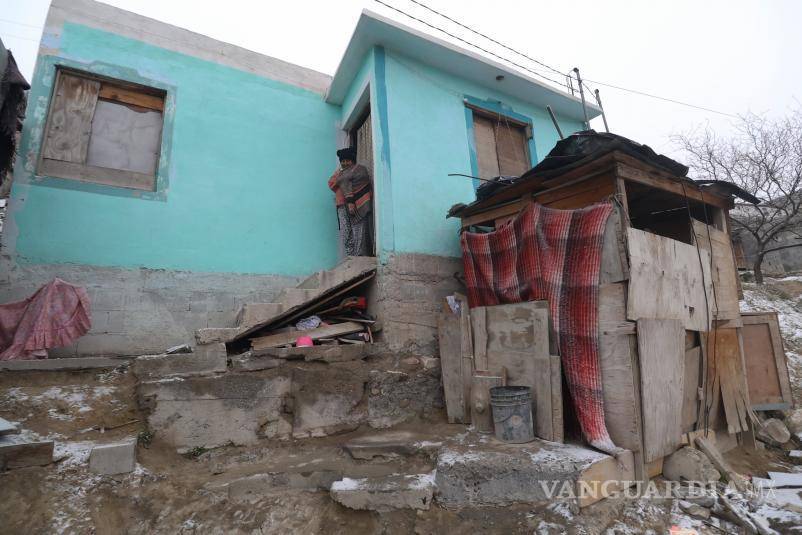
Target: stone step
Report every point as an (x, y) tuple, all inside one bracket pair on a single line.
[(384, 494), (209, 358), (213, 335), (349, 268), (256, 486), (391, 444), (292, 297), (251, 314)]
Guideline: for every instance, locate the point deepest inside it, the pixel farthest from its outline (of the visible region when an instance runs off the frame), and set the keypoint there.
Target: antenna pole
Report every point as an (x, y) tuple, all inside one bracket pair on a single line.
[(582, 96), (604, 117), (554, 120)]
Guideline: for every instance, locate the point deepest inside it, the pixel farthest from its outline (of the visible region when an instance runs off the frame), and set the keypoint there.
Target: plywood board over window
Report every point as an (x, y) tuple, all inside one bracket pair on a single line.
[(502, 146), (103, 131)]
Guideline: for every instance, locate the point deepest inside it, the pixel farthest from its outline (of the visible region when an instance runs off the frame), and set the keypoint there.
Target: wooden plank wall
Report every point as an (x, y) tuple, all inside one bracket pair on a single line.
[(70, 120), (667, 281), (661, 347), (766, 366), (725, 279)]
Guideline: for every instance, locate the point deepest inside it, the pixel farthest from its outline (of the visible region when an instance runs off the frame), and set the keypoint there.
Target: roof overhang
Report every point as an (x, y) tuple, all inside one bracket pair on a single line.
[(375, 30)]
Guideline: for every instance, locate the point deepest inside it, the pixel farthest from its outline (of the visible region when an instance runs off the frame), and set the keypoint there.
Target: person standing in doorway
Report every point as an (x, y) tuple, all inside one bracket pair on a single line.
[(353, 195)]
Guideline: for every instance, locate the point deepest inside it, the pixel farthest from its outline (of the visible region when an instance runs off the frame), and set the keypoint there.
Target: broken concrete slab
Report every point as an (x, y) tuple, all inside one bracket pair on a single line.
[(78, 363), (773, 432), (215, 334), (502, 474), (327, 401), (111, 459), (350, 268), (210, 358), (385, 494), (292, 297), (251, 314), (249, 362), (688, 464), (22, 450), (8, 428), (257, 486), (391, 444), (397, 396), (322, 353), (211, 411)]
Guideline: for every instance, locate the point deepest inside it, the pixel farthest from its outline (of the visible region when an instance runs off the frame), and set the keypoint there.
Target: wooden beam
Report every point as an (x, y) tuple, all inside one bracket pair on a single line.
[(131, 96), (632, 174), (327, 331)]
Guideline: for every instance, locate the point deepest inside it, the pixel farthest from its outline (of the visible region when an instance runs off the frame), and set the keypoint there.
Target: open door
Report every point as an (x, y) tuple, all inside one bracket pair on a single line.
[(362, 138)]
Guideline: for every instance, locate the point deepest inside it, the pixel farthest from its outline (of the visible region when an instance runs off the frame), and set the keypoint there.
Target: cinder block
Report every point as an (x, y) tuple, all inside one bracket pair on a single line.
[(209, 358), (109, 459)]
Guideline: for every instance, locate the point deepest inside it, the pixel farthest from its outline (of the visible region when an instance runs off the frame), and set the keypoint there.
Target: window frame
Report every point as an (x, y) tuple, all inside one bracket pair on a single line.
[(497, 116), (90, 174)]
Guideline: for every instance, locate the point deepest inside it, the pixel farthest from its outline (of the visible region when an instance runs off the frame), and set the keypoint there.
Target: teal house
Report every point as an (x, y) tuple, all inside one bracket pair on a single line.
[(147, 174)]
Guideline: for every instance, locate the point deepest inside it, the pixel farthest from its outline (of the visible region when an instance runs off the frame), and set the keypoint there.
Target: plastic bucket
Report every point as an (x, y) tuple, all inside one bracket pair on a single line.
[(512, 413)]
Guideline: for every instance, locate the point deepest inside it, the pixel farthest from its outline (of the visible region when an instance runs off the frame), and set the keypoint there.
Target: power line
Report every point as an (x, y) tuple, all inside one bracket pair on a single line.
[(21, 37), (470, 43), (642, 93), (611, 86), (21, 23), (424, 6)]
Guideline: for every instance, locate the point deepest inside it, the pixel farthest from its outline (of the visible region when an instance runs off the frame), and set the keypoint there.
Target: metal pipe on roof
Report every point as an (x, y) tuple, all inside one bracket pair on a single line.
[(582, 96), (604, 117), (554, 120)]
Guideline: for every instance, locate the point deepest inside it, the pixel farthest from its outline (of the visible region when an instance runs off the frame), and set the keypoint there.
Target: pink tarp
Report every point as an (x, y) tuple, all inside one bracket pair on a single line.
[(55, 316)]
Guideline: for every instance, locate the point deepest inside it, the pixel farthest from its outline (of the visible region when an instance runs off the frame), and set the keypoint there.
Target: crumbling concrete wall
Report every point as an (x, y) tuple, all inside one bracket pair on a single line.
[(140, 311), (409, 294)]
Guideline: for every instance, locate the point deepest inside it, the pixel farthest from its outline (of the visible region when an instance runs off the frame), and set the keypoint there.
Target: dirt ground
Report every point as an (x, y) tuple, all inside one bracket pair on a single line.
[(173, 493)]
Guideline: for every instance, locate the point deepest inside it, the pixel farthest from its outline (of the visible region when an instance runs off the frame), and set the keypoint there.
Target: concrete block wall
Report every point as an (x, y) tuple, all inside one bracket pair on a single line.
[(408, 296), (140, 311)]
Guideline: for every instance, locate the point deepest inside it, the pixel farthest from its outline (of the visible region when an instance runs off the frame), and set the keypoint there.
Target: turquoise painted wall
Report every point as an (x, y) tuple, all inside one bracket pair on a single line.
[(242, 186), (429, 138)]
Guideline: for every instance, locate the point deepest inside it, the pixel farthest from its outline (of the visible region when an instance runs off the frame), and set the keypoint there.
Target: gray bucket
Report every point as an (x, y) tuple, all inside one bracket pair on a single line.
[(512, 413)]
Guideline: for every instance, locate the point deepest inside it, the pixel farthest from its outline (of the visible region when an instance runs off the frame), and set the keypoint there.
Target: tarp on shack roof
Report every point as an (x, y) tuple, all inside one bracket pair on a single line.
[(582, 147)]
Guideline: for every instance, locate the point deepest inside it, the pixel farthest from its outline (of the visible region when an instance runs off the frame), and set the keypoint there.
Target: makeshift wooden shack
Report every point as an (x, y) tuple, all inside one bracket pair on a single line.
[(674, 349)]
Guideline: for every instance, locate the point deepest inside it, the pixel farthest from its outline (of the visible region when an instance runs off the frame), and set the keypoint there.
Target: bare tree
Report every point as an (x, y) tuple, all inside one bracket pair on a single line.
[(763, 157)]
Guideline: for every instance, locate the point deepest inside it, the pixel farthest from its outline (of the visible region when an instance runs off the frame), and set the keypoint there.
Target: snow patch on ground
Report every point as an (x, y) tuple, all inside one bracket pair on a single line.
[(69, 400)]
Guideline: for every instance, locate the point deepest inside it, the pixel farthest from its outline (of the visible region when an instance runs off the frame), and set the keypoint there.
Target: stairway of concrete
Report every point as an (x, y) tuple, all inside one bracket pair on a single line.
[(252, 314)]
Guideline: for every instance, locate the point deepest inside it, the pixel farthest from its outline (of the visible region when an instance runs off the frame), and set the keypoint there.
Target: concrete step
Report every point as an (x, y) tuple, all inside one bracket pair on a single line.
[(23, 450), (292, 297), (349, 268), (385, 493), (251, 314), (213, 335), (392, 444)]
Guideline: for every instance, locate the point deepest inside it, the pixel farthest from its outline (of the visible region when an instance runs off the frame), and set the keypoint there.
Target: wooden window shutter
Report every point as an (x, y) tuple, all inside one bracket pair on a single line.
[(485, 139), (511, 145), (70, 119)]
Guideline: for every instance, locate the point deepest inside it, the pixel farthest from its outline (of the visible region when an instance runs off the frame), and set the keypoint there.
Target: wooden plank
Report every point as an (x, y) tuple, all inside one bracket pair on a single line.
[(612, 268), (511, 148), (766, 366), (485, 143), (708, 448), (725, 277), (578, 196), (327, 331), (448, 325), (724, 356), (466, 349), (666, 280), (627, 171), (18, 452), (97, 175), (661, 349), (479, 330), (516, 327), (616, 356), (131, 96), (69, 122), (605, 478), (557, 419), (690, 389), (481, 415), (506, 210)]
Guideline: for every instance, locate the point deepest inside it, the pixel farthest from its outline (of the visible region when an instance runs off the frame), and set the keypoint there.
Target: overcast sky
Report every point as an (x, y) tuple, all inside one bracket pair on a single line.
[(733, 56)]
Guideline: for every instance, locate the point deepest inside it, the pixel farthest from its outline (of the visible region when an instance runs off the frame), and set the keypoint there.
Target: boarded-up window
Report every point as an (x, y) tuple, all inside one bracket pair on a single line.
[(103, 131), (502, 146)]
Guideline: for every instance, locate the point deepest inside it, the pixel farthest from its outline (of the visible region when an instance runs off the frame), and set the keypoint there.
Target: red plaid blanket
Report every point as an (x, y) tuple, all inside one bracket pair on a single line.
[(553, 255)]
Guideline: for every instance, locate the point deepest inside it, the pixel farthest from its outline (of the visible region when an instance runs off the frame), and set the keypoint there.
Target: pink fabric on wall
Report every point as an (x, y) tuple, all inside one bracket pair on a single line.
[(55, 316)]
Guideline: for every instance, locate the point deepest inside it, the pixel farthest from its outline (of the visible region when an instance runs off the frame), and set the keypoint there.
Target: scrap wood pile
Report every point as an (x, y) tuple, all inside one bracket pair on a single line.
[(344, 323)]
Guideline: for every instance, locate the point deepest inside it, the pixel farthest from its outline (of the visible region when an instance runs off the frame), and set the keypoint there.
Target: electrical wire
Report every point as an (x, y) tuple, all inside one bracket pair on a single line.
[(424, 6), (21, 23), (21, 37), (469, 43), (567, 86)]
